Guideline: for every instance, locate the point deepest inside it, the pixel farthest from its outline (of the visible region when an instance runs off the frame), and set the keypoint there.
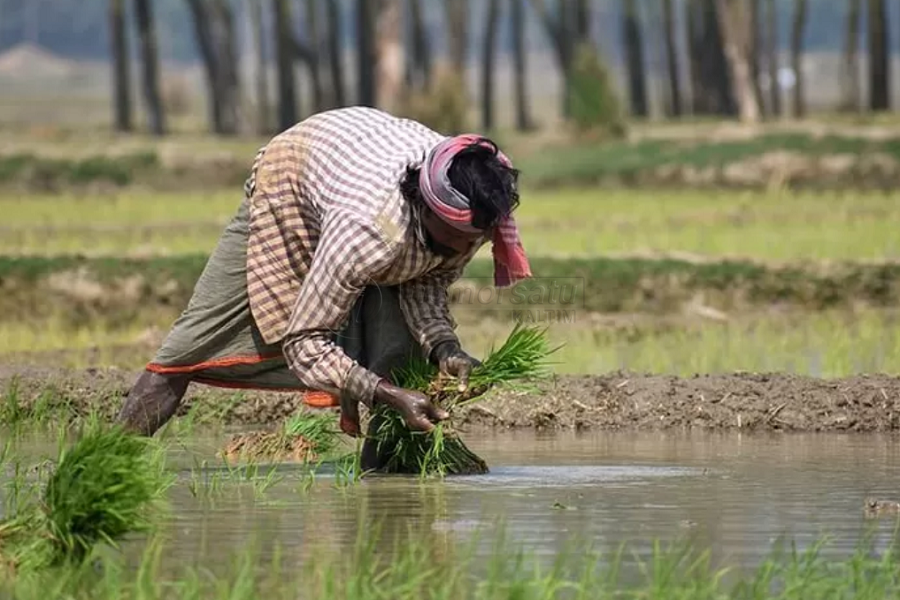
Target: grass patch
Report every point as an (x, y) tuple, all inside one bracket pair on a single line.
[(52, 173), (414, 568), (827, 344), (305, 437), (765, 226), (118, 298), (591, 163)]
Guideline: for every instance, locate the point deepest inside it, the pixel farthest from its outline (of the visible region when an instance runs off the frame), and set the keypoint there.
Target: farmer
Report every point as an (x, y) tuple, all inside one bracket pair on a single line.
[(335, 269)]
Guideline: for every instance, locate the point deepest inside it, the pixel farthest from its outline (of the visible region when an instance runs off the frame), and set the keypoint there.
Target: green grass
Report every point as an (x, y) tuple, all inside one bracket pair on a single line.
[(828, 344), (414, 568), (775, 226), (589, 163)]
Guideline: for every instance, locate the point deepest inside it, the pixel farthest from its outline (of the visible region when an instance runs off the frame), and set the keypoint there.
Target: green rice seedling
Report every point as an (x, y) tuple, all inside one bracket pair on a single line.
[(441, 452), (105, 486), (305, 437)]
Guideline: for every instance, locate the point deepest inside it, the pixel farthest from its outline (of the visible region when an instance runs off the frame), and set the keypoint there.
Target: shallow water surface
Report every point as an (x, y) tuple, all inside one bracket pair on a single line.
[(735, 494)]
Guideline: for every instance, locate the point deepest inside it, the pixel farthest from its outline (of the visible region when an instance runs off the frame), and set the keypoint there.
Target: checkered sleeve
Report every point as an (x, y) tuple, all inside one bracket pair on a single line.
[(425, 305), (350, 254)]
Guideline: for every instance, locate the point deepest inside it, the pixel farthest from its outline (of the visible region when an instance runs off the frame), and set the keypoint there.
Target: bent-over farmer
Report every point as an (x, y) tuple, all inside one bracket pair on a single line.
[(335, 269)]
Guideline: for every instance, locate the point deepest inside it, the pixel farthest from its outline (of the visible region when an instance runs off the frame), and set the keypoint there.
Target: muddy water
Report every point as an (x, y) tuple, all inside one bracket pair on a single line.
[(734, 494)]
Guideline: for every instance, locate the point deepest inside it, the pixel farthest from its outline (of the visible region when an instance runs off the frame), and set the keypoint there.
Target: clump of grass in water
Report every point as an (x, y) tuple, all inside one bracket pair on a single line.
[(305, 437), (442, 452), (106, 486)]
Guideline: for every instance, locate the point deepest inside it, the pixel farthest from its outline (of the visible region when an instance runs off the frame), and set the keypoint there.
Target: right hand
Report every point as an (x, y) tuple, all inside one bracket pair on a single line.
[(416, 409)]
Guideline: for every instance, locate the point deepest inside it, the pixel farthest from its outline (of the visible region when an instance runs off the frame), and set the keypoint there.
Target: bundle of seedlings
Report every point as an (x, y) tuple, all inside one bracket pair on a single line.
[(305, 437), (442, 452), (108, 485)]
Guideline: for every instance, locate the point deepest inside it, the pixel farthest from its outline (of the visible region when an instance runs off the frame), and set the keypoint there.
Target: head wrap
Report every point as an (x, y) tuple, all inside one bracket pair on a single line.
[(510, 262)]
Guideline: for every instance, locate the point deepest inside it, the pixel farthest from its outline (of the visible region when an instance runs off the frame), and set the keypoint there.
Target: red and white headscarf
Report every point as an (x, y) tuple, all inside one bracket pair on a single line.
[(510, 262)]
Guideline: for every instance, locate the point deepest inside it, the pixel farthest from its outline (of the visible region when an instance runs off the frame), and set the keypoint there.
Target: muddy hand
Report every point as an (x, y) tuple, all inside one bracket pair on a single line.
[(416, 409), (453, 361)]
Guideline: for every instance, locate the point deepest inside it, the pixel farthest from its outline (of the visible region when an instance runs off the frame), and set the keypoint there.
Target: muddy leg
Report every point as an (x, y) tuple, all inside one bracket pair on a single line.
[(152, 401)]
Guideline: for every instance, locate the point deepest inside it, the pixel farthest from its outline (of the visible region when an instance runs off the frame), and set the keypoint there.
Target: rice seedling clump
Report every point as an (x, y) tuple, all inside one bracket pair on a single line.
[(305, 437), (442, 452), (106, 486)]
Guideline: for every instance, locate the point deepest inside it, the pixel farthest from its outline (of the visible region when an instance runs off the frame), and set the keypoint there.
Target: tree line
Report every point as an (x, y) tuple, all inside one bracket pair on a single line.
[(728, 49)]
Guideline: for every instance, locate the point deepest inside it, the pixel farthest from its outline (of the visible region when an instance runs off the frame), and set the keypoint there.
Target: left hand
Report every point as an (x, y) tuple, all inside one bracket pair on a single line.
[(453, 361)]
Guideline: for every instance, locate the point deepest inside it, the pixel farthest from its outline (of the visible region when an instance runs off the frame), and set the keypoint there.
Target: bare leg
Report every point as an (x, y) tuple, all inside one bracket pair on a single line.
[(152, 401)]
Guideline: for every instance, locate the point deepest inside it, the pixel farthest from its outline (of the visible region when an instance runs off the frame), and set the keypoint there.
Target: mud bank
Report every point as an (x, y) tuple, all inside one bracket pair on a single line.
[(621, 400)]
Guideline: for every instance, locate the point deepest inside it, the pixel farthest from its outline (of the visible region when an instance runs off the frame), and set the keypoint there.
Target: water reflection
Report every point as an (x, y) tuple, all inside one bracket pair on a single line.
[(733, 494)]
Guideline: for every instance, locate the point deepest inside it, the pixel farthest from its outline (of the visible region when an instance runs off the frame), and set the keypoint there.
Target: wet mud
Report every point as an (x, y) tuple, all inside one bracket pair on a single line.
[(619, 400)]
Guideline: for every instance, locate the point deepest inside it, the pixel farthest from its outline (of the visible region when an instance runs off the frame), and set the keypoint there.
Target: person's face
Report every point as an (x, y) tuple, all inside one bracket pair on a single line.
[(446, 241)]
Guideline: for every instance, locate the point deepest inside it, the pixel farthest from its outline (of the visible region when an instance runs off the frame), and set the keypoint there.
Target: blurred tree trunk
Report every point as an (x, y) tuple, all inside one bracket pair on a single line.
[(365, 50), (734, 21), (852, 96), (756, 30), (520, 65), (458, 32), (559, 29), (215, 33), (150, 71), (489, 44), (693, 29), (582, 21), (121, 74), (419, 65), (314, 44), (772, 57), (262, 81), (634, 57), (335, 58), (671, 59), (710, 77), (284, 52), (879, 65), (797, 29), (389, 54)]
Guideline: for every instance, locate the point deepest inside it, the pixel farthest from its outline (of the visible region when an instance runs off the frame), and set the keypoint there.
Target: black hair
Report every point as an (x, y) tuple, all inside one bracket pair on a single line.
[(478, 174)]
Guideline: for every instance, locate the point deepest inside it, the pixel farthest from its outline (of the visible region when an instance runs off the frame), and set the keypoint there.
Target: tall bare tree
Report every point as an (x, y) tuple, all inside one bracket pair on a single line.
[(756, 31), (520, 66), (559, 29), (634, 57), (335, 57), (879, 65), (121, 71), (582, 21), (365, 51), (150, 61), (262, 80), (389, 54), (314, 44), (419, 65), (668, 15), (285, 51), (772, 62), (852, 95), (710, 73), (215, 34), (458, 32), (797, 29), (489, 45), (734, 19)]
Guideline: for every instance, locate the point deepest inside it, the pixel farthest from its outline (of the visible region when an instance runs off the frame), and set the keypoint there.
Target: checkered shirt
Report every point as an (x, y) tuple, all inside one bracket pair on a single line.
[(327, 219)]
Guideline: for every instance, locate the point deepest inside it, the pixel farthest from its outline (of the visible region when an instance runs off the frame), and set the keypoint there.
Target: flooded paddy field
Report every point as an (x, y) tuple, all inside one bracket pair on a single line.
[(735, 495)]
